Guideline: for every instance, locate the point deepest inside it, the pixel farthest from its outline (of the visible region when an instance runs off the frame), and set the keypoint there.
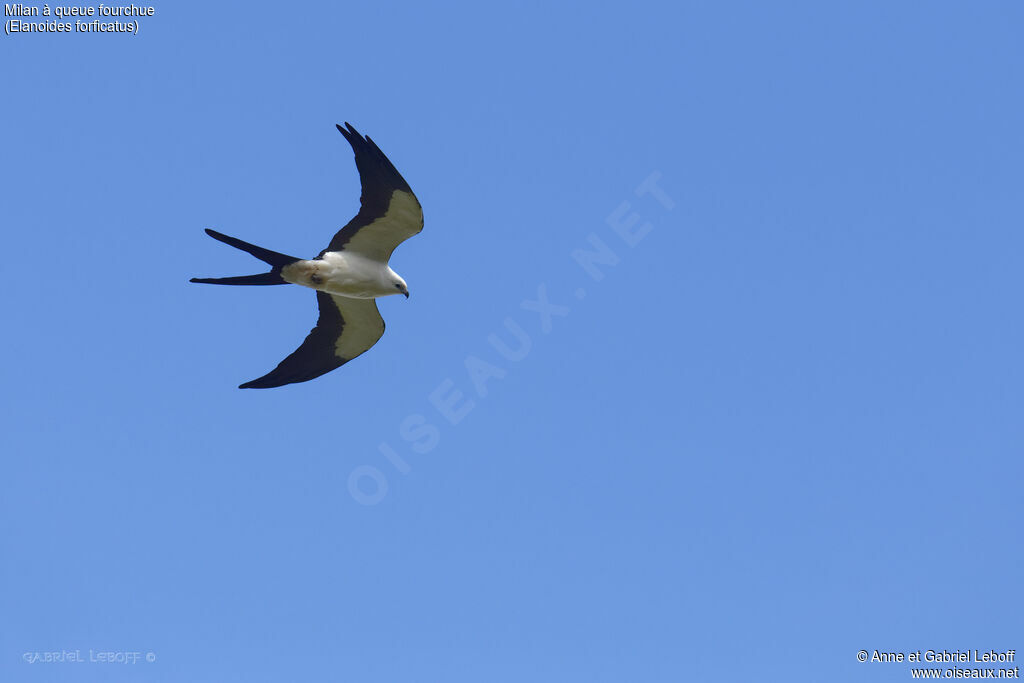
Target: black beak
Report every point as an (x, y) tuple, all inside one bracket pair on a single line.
[(406, 294)]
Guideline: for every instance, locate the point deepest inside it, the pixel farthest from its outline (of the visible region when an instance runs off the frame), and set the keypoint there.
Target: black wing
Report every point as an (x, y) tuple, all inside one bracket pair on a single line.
[(389, 212), (345, 329)]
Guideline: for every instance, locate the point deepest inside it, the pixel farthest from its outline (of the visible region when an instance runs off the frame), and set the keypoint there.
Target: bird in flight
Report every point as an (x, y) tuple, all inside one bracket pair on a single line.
[(347, 276)]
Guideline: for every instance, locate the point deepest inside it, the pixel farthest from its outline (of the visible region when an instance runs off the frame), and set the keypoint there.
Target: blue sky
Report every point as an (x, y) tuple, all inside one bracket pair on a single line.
[(783, 427)]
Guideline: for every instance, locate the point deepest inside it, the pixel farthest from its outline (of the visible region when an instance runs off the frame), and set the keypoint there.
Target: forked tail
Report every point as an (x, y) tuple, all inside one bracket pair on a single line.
[(275, 259)]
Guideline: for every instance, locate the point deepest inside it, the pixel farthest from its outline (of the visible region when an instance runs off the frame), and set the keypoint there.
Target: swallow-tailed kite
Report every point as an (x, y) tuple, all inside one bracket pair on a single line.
[(348, 275)]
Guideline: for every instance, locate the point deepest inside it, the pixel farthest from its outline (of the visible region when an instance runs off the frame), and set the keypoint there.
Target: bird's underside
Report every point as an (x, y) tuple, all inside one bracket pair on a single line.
[(348, 275)]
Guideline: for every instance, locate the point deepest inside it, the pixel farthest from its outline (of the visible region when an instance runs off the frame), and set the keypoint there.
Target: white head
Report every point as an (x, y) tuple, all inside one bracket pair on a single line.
[(397, 283)]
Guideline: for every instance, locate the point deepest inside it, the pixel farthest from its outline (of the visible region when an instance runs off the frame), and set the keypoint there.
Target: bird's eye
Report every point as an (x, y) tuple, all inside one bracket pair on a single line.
[(315, 279), (398, 286)]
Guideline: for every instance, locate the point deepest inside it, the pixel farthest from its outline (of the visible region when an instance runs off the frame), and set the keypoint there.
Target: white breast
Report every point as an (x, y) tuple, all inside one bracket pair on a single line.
[(350, 274)]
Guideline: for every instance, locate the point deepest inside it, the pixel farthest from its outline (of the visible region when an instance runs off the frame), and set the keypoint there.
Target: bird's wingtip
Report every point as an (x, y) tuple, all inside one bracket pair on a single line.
[(258, 383)]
